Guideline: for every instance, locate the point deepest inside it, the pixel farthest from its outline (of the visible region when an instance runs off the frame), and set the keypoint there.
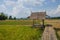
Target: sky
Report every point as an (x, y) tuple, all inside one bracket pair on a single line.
[(23, 8)]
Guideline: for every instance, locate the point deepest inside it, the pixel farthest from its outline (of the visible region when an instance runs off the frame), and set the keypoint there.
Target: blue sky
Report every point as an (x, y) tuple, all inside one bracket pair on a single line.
[(23, 8)]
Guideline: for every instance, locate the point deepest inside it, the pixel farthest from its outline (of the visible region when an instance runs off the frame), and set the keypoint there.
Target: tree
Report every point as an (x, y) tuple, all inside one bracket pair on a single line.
[(3, 16), (10, 17), (14, 18)]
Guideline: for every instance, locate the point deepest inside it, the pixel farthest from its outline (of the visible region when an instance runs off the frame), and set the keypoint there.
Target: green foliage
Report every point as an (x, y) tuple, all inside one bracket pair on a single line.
[(3, 16)]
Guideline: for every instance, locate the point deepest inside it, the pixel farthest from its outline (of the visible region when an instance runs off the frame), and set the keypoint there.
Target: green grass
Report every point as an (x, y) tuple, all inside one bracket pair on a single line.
[(17, 32)]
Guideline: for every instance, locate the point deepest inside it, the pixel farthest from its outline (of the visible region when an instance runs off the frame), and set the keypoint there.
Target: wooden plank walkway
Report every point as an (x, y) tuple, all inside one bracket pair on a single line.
[(49, 34)]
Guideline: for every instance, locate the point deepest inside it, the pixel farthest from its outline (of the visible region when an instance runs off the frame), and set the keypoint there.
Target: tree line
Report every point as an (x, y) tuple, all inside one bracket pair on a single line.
[(5, 17), (55, 17)]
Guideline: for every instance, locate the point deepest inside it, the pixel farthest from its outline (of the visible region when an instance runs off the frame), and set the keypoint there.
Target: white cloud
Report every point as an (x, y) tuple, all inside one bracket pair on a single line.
[(20, 10), (2, 8), (55, 12), (53, 0), (19, 7), (10, 3), (34, 2)]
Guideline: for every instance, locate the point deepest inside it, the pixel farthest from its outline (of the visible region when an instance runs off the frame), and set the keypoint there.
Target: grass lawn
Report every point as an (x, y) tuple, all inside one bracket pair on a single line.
[(19, 32)]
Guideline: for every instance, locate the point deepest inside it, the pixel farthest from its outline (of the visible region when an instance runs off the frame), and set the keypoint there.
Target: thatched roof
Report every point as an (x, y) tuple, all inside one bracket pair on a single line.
[(38, 15)]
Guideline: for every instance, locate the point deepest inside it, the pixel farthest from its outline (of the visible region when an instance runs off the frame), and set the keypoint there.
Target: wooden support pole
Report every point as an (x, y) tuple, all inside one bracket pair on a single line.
[(43, 23), (33, 22)]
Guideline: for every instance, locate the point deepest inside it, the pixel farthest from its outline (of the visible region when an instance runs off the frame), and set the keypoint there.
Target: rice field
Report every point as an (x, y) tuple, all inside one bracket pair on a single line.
[(19, 22), (19, 30), (22, 29), (55, 23)]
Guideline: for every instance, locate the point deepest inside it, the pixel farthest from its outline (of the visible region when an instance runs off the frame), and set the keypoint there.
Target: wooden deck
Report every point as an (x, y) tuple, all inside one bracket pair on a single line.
[(49, 34)]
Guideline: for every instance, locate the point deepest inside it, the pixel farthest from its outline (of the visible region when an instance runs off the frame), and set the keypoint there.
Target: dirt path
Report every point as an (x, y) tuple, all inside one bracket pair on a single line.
[(49, 34)]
